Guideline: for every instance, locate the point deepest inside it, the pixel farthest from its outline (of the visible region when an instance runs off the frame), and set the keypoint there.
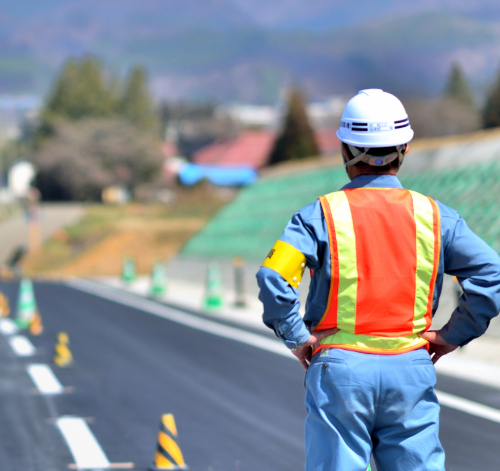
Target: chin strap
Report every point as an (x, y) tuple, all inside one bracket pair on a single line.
[(357, 159), (373, 160)]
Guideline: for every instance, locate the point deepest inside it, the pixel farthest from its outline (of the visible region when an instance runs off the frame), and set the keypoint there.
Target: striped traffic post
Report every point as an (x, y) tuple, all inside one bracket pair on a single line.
[(168, 454), (158, 280), (239, 282), (213, 289), (26, 304), (129, 272)]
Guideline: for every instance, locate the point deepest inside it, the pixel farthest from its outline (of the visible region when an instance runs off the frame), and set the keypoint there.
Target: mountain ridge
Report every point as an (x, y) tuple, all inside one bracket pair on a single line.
[(248, 51)]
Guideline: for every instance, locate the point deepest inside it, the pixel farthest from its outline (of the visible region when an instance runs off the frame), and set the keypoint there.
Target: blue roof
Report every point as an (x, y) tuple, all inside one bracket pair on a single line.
[(190, 174)]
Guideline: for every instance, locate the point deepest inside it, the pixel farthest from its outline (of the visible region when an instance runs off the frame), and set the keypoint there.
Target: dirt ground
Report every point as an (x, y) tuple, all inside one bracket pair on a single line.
[(146, 243), (99, 242)]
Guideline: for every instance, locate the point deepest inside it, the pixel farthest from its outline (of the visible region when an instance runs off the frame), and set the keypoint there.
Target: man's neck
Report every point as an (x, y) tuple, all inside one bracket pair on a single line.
[(353, 172)]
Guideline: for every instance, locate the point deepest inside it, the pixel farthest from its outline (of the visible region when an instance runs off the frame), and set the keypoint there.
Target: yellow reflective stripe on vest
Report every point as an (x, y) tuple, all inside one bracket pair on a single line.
[(346, 245), (286, 260), (372, 343), (423, 213)]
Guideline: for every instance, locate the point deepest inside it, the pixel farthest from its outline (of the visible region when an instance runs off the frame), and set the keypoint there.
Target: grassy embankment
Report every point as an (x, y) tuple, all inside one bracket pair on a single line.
[(96, 245)]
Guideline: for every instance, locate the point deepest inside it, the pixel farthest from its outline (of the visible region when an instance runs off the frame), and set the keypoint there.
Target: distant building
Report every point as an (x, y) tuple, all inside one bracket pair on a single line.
[(322, 114), (252, 146), (327, 113), (249, 149), (252, 149), (252, 116), (191, 126)]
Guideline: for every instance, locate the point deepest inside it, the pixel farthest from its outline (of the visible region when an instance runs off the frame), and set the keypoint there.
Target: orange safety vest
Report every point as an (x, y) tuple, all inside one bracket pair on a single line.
[(384, 252)]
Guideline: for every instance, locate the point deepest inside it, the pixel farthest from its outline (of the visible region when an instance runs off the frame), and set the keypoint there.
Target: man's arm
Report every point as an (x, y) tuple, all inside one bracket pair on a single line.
[(280, 276), (477, 268), (281, 308)]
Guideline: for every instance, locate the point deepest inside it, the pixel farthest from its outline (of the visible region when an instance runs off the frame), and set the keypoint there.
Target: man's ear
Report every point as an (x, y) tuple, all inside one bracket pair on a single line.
[(407, 148), (343, 150)]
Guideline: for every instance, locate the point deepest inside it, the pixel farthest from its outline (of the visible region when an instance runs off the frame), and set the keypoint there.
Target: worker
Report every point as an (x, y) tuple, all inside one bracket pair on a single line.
[(377, 254)]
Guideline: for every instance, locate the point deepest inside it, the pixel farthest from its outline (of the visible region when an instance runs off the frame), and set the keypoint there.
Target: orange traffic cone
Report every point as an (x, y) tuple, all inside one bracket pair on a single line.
[(36, 326), (4, 305)]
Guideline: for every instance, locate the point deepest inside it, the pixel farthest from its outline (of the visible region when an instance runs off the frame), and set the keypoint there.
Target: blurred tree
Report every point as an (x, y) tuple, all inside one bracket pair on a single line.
[(63, 94), (296, 139), (458, 87), (491, 112), (81, 91), (83, 157), (136, 104)]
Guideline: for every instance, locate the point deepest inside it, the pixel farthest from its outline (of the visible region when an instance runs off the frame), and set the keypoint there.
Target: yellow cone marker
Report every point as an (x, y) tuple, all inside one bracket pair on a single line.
[(168, 454), (36, 326), (4, 305), (62, 356)]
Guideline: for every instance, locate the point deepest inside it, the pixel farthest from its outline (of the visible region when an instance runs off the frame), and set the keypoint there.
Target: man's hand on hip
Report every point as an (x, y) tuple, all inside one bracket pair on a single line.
[(304, 352), (438, 346)]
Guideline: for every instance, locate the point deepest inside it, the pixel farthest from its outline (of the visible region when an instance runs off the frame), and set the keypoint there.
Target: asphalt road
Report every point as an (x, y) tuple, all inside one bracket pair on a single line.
[(237, 407)]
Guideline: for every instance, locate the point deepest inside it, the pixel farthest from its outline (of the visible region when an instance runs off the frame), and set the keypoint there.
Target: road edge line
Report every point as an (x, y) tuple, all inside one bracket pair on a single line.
[(468, 406), (273, 346), (189, 320)]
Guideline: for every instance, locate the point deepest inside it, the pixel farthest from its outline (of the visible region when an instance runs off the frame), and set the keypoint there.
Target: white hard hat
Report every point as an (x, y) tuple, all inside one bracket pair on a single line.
[(374, 118)]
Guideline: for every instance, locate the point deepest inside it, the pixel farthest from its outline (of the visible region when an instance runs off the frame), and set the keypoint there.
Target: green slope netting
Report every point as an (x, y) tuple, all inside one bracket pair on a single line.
[(250, 225)]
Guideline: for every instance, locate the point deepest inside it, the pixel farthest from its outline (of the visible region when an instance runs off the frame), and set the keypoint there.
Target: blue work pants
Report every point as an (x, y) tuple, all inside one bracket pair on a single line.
[(358, 404)]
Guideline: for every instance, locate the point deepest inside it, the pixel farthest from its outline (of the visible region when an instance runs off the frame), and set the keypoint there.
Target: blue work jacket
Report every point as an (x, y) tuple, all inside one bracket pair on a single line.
[(463, 254)]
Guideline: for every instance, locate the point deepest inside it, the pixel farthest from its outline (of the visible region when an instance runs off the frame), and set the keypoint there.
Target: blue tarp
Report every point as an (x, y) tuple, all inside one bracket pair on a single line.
[(189, 174)]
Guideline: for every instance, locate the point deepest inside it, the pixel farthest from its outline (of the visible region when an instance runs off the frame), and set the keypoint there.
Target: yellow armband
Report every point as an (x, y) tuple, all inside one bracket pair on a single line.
[(286, 260)]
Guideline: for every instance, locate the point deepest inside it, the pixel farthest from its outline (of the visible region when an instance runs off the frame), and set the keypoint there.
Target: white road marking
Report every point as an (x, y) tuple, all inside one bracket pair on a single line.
[(242, 336), (469, 407), (8, 326), (44, 379), (84, 447), (273, 346), (469, 369), (22, 346), (128, 465)]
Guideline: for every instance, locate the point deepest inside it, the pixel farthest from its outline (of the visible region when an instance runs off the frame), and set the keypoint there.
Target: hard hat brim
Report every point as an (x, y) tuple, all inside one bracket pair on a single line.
[(368, 139)]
